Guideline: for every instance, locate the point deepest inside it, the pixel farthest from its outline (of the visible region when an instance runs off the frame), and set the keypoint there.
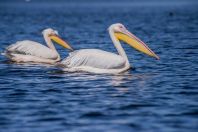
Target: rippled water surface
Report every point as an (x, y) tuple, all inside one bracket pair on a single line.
[(155, 96)]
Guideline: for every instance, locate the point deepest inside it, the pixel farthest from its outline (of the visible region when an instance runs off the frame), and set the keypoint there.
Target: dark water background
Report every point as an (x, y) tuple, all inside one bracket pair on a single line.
[(156, 96)]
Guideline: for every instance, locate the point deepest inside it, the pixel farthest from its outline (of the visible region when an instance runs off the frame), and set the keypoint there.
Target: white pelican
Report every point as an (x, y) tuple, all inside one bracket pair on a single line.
[(30, 51), (99, 61)]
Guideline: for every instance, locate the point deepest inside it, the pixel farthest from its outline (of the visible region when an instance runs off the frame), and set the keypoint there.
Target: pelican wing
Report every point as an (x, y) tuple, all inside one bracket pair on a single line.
[(27, 47), (94, 58)]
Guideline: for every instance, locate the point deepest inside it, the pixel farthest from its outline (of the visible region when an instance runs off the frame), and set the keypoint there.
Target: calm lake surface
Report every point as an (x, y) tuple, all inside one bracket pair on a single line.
[(157, 95)]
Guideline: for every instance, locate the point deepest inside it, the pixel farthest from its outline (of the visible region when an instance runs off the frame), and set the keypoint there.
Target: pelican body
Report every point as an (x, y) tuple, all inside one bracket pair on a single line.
[(30, 51), (99, 61)]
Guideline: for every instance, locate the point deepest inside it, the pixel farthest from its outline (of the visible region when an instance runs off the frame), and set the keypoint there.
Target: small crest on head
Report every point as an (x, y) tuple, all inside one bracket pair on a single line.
[(116, 27), (49, 31)]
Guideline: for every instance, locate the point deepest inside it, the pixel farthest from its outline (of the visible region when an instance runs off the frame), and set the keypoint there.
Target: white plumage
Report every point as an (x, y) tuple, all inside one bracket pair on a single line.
[(28, 47), (94, 58)]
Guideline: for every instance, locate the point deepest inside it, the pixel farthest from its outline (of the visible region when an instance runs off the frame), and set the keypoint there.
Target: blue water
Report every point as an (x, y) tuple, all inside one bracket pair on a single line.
[(157, 95)]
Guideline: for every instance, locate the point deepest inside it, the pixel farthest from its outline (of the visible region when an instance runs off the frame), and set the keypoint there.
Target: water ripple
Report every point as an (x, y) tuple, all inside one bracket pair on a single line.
[(154, 96)]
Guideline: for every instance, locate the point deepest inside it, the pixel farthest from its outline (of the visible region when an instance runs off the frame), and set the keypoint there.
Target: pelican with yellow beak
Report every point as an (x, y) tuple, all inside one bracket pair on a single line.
[(30, 51), (99, 61)]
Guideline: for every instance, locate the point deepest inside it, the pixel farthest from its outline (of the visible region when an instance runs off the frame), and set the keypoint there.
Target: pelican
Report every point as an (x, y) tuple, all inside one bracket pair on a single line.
[(30, 51), (99, 61)]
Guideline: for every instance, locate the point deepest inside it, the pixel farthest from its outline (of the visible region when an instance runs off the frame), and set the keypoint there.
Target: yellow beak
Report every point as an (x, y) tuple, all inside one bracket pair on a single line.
[(135, 42), (61, 42)]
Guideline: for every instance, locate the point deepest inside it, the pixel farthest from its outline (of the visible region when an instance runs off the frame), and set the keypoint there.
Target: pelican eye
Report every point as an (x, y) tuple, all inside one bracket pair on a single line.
[(52, 34)]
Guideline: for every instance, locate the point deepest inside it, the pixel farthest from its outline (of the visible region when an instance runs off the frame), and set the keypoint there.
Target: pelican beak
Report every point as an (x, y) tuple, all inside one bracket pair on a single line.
[(61, 42), (135, 42)]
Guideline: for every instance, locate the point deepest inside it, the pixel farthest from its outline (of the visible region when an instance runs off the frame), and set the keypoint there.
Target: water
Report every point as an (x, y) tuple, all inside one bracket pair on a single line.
[(155, 96)]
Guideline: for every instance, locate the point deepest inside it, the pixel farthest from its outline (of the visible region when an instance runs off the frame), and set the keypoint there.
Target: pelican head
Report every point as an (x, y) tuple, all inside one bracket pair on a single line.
[(53, 35), (121, 33)]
